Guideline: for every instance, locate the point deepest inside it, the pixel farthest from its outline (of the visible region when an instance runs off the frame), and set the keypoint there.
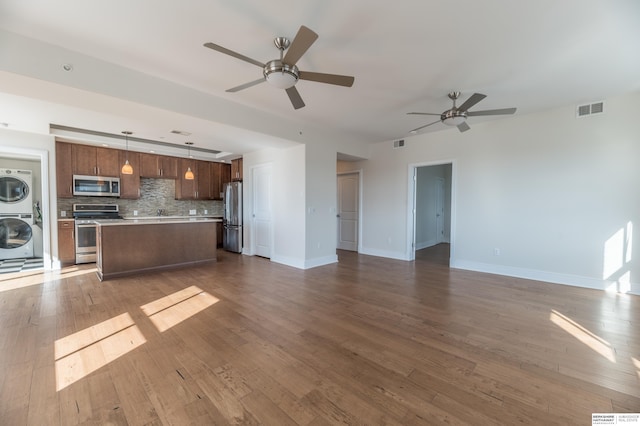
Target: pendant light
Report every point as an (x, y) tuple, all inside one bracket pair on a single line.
[(126, 168), (188, 175)]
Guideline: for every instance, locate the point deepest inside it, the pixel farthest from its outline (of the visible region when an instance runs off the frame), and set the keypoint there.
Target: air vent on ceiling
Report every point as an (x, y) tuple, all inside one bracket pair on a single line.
[(589, 109), (398, 144), (180, 132)]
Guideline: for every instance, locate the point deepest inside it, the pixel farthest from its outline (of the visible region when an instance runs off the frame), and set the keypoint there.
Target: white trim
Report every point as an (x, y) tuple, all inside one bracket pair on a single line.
[(384, 253), (411, 206), (43, 156), (359, 172), (305, 264), (537, 275)]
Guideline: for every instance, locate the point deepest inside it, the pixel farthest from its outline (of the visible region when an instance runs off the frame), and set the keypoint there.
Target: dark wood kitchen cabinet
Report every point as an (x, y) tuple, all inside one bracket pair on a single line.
[(130, 184), (158, 166), (66, 241), (95, 161), (236, 169), (200, 187), (203, 180), (185, 188), (220, 174), (64, 170)]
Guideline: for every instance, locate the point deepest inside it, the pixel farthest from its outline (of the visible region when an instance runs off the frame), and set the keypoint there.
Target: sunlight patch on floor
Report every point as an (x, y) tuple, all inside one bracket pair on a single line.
[(26, 279), (171, 310), (88, 350), (585, 336)]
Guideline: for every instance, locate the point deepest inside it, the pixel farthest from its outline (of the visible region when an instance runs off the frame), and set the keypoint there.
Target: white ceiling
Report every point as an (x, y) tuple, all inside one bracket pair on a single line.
[(405, 56)]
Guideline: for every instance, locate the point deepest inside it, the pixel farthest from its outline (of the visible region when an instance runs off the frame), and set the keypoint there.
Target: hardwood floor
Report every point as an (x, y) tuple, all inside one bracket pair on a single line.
[(364, 341)]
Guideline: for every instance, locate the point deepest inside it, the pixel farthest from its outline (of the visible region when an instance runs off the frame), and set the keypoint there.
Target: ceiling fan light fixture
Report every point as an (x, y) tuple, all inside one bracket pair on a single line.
[(281, 75), (453, 117)]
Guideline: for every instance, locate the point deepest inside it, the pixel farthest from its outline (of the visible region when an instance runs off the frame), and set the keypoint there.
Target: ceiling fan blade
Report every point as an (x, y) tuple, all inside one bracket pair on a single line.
[(502, 111), (232, 53), (473, 99), (300, 44), (423, 113), (338, 80), (246, 85), (463, 127), (422, 127), (294, 97)]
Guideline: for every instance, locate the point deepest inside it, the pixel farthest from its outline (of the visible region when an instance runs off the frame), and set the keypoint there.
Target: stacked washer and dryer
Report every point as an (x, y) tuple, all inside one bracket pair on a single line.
[(16, 214)]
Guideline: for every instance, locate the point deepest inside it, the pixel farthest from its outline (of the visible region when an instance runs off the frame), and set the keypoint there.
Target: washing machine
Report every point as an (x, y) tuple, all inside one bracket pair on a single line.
[(16, 195), (16, 235)]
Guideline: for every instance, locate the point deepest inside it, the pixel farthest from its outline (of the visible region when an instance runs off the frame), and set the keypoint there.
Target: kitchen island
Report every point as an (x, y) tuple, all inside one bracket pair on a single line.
[(126, 247)]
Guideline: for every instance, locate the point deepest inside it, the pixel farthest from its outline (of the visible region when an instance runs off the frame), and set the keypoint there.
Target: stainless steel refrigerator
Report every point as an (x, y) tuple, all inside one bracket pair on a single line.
[(232, 219)]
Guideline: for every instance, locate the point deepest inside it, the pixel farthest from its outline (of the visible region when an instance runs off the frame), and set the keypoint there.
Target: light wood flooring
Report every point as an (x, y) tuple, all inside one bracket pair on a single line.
[(364, 341)]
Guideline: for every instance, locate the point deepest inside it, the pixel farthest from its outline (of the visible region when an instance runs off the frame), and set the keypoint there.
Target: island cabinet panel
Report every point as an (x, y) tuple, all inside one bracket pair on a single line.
[(138, 248), (95, 161), (66, 241), (158, 166), (130, 184), (64, 170)]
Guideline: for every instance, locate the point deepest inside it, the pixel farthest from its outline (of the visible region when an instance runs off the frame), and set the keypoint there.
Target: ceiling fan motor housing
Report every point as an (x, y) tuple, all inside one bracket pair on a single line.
[(453, 117), (281, 75)]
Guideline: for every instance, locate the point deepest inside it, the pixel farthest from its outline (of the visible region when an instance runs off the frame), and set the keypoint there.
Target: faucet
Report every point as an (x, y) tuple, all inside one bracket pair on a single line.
[(160, 212)]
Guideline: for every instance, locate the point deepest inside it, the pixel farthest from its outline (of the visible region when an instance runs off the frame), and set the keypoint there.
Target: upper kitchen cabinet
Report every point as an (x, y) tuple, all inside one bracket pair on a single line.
[(220, 174), (130, 184), (203, 180), (64, 170), (95, 161), (236, 169), (158, 166), (200, 187)]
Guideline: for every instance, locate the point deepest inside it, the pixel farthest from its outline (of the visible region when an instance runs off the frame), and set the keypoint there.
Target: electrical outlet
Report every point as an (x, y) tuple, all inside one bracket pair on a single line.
[(192, 211), (496, 252), (63, 213), (135, 212), (206, 211)]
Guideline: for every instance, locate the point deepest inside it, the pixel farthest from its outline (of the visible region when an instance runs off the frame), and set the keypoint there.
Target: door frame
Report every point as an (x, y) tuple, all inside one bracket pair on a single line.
[(412, 173), (46, 207), (359, 173)]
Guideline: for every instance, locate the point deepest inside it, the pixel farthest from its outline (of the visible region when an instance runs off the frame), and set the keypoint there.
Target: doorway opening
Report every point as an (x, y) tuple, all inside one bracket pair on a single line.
[(431, 210)]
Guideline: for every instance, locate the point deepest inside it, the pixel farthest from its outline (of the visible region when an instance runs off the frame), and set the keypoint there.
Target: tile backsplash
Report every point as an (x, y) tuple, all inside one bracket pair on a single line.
[(154, 194)]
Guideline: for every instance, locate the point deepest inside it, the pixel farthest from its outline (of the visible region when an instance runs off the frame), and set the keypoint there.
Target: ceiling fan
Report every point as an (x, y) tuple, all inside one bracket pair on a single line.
[(457, 116), (283, 73)]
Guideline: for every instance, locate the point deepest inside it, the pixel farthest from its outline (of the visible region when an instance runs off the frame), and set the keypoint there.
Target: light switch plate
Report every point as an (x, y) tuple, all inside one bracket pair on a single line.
[(192, 212)]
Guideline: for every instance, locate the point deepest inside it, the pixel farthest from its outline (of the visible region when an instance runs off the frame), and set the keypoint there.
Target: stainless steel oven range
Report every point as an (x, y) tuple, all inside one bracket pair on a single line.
[(85, 216)]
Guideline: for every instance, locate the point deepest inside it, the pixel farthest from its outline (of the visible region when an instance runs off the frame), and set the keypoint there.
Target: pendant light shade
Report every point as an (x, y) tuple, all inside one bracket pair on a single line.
[(188, 175), (126, 168)]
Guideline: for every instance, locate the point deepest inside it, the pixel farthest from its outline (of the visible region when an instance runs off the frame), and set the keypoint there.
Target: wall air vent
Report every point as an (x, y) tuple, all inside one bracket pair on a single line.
[(398, 144), (589, 109)]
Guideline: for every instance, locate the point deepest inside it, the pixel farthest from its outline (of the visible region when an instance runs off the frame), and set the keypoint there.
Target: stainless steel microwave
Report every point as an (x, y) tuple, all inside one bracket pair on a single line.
[(96, 186)]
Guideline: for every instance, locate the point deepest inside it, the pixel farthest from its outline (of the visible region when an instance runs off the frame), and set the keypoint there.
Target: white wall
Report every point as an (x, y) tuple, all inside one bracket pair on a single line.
[(321, 201), (288, 202), (557, 195)]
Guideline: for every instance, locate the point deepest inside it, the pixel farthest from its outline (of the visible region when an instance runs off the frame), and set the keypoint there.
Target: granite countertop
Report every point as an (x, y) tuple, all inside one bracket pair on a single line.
[(157, 220)]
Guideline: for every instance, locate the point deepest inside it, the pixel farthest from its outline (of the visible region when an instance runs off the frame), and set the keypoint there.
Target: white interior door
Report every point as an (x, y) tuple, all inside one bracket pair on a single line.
[(348, 211), (262, 225)]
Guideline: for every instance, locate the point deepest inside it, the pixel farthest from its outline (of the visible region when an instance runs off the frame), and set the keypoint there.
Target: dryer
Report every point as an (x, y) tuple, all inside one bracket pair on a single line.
[(16, 235), (16, 195)]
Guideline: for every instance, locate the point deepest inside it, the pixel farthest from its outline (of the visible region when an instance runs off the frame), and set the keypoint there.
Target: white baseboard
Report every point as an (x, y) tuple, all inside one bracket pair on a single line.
[(384, 253), (305, 263), (551, 277)]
